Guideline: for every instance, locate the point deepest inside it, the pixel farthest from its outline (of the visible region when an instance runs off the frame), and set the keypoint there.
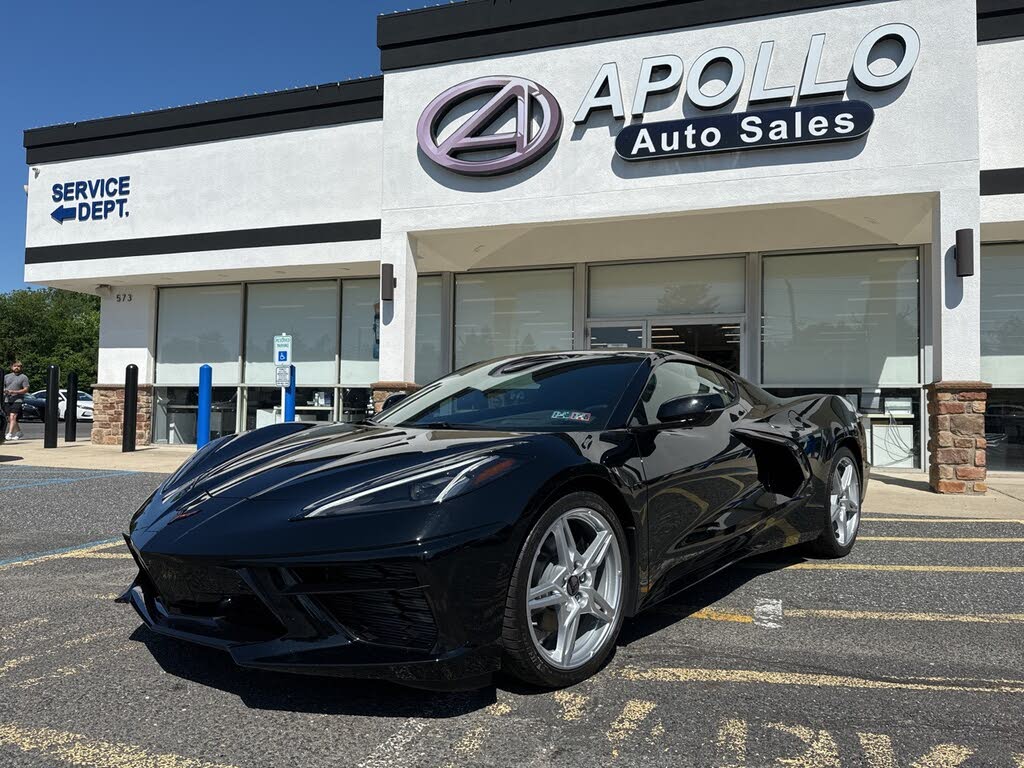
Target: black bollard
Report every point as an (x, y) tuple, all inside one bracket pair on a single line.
[(52, 403), (131, 404), (71, 412)]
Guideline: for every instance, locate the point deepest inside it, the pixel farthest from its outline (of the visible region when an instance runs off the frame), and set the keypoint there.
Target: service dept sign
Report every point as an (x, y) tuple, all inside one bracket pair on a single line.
[(829, 121)]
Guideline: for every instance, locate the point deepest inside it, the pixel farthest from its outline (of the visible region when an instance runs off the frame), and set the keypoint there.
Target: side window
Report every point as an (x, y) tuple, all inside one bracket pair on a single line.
[(679, 379)]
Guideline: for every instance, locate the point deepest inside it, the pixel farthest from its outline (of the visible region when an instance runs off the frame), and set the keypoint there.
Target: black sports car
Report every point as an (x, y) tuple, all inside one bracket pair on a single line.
[(509, 515)]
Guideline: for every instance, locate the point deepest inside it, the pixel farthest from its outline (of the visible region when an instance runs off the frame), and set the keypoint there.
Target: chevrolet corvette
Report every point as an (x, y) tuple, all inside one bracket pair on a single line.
[(509, 516)]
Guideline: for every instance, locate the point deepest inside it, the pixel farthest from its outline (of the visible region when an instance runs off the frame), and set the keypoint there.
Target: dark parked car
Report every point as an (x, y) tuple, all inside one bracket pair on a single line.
[(33, 408), (509, 515)]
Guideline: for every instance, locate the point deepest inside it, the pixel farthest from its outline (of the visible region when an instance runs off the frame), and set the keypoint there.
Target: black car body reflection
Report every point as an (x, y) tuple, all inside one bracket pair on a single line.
[(386, 549)]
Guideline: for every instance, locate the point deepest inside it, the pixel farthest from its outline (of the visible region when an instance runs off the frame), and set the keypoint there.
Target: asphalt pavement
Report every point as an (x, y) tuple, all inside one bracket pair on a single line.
[(907, 653)]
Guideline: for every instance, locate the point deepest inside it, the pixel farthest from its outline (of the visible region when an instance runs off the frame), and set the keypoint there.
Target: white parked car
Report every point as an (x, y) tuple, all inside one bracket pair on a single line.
[(84, 404)]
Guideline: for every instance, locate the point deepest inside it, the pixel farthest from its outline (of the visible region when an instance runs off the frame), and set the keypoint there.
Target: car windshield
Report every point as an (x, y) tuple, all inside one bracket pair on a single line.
[(552, 393)]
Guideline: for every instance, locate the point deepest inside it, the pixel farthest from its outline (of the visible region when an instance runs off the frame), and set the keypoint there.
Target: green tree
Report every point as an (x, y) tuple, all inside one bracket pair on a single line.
[(48, 326)]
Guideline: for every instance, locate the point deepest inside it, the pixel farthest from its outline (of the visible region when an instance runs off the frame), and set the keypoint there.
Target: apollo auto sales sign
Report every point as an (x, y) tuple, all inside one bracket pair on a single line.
[(470, 149)]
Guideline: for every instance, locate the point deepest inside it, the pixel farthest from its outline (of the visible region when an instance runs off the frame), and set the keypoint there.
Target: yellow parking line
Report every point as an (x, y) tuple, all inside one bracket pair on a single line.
[(94, 550), (698, 675), (74, 749), (572, 704), (1009, 521), (829, 566), (713, 614), (841, 615), (634, 713), (946, 540), (10, 632)]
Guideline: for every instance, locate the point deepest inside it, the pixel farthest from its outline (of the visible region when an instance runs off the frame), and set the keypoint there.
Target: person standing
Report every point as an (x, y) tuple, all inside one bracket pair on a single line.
[(15, 387)]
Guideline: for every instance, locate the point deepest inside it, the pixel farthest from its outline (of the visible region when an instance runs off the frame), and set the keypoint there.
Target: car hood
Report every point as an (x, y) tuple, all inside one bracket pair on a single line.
[(295, 462)]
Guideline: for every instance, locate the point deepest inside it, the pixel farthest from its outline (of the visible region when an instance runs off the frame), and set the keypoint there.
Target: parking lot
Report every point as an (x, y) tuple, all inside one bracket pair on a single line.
[(908, 653)]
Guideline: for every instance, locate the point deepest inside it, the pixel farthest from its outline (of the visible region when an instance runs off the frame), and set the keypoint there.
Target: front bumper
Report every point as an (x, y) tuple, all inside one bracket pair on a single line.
[(383, 615)]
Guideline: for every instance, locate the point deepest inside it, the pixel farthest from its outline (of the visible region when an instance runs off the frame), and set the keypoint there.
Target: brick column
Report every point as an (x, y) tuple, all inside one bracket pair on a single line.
[(382, 390), (108, 414), (956, 423)]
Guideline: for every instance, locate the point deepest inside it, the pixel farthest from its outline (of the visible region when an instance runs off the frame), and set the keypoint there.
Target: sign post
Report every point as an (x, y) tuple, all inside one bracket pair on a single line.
[(283, 361)]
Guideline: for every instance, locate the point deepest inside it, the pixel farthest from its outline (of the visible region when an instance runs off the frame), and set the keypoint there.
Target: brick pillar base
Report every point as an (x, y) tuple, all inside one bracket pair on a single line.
[(382, 390), (956, 423), (108, 414)]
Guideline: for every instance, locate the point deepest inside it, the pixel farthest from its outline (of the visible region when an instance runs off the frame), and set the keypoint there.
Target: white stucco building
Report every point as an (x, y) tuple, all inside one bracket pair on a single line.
[(785, 200)]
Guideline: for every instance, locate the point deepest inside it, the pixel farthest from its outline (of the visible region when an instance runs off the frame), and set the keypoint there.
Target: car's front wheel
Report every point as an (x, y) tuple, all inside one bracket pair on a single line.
[(568, 592)]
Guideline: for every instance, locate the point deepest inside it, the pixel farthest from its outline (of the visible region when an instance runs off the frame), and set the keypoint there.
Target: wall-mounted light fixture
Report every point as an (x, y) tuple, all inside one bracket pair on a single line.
[(387, 282), (964, 252)]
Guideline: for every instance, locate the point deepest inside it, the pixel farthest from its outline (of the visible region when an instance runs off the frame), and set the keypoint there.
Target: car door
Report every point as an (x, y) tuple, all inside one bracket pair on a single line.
[(701, 480)]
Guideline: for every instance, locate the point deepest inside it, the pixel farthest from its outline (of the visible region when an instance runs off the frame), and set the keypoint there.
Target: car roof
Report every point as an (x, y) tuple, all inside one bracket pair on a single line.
[(650, 354)]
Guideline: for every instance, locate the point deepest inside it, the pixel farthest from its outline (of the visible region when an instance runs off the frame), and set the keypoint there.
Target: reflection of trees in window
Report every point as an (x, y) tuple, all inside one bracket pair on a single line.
[(209, 347), (1007, 339), (687, 298)]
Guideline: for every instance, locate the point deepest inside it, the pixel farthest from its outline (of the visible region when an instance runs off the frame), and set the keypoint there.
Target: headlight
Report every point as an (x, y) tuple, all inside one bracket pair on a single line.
[(416, 488)]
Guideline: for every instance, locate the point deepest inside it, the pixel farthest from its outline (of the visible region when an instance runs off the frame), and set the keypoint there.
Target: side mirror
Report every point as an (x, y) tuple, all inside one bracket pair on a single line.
[(690, 405), (393, 400)]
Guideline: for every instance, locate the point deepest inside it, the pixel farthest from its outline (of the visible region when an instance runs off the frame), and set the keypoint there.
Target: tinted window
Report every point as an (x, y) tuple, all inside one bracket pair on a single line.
[(679, 379), (548, 393)]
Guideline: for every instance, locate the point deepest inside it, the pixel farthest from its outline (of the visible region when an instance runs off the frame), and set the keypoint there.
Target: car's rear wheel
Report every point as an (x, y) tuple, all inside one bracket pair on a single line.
[(842, 504), (568, 592)]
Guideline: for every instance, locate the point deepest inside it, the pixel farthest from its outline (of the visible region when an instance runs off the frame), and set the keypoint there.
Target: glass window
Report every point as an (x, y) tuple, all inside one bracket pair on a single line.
[(263, 405), (176, 409), (671, 381), (360, 332), (430, 362), (306, 310), (1002, 314), (198, 326), (543, 393), (841, 319), (1004, 429), (692, 287), (506, 313)]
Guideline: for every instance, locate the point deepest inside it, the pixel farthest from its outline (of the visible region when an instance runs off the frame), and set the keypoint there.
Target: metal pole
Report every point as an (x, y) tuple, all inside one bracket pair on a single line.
[(131, 405), (52, 402), (289, 399), (71, 412), (205, 405)]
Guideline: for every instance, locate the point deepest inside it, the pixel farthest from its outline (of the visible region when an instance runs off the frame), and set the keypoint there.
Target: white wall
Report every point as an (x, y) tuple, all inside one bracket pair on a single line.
[(310, 176), (127, 333), (914, 145), (1001, 130)]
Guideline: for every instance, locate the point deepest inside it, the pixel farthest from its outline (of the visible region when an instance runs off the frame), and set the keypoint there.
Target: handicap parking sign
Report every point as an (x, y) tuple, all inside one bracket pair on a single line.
[(283, 349)]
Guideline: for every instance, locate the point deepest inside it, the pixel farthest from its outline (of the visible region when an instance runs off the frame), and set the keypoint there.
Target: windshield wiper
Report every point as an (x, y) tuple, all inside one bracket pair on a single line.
[(437, 425)]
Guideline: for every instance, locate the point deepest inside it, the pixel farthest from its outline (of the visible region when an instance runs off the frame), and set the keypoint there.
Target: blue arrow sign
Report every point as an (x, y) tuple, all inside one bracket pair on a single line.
[(61, 214)]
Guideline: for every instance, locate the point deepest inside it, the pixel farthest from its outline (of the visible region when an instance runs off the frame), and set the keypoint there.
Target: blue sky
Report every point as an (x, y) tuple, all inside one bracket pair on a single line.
[(65, 61)]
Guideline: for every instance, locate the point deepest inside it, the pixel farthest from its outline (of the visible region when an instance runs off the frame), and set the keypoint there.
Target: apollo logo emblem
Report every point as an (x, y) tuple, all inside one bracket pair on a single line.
[(523, 144)]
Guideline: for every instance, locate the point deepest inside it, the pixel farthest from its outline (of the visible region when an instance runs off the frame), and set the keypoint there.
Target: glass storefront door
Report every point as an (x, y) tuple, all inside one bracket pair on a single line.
[(617, 334), (720, 342)]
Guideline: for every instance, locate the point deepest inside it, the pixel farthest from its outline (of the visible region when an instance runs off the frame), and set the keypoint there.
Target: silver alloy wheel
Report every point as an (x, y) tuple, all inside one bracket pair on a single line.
[(575, 592), (844, 499)]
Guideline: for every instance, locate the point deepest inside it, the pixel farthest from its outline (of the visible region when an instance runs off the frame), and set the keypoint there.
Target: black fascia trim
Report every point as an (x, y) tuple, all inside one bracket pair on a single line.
[(1002, 181), (492, 27), (329, 104), (304, 234), (1001, 24)]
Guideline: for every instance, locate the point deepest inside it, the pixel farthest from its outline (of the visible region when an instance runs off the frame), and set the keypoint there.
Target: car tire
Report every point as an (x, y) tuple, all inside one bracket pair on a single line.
[(843, 494), (593, 591)]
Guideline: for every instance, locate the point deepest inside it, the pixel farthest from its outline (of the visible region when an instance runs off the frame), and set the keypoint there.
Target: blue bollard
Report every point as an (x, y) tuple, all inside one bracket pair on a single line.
[(205, 404), (289, 396)]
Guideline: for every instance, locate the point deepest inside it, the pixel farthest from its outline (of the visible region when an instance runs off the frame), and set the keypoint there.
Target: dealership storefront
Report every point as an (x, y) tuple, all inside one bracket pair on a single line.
[(829, 198)]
